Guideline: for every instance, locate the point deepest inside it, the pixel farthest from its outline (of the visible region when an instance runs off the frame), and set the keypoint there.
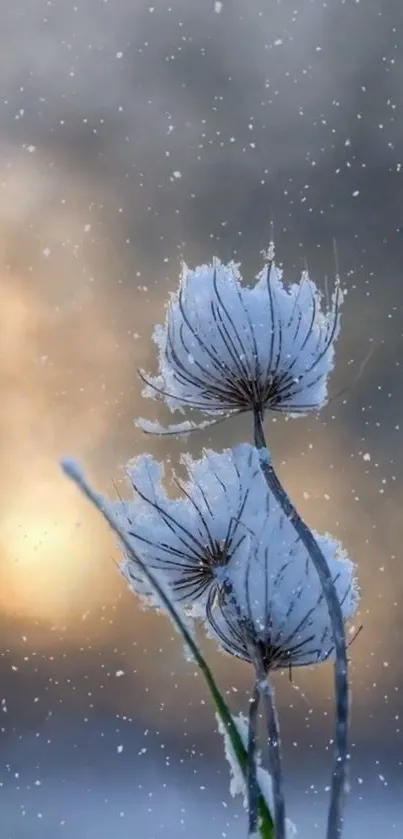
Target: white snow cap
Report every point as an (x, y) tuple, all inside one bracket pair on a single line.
[(189, 540), (228, 348)]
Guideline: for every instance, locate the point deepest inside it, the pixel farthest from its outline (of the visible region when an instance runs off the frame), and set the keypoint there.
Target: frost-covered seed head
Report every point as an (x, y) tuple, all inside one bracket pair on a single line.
[(227, 348), (274, 602), (190, 540), (226, 550)]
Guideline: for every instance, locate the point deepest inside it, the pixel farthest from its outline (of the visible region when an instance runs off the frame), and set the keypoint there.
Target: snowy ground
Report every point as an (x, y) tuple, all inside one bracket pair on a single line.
[(65, 808), (121, 793)]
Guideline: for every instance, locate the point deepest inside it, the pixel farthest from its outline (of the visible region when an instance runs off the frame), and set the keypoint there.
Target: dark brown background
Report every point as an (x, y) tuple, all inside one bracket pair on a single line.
[(265, 112)]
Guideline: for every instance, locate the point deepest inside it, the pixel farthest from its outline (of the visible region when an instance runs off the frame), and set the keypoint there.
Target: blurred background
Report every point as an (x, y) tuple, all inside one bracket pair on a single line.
[(133, 136)]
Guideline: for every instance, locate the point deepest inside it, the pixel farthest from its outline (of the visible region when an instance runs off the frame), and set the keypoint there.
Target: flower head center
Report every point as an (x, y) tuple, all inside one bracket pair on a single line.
[(217, 555), (264, 391)]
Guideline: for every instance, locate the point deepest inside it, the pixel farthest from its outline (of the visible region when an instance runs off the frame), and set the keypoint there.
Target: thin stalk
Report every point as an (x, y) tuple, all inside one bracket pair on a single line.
[(72, 471), (266, 693), (339, 776), (253, 788)]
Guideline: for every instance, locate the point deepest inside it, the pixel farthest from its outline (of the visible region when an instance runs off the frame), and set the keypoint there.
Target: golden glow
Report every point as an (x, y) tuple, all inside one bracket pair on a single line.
[(68, 359), (60, 372), (51, 565)]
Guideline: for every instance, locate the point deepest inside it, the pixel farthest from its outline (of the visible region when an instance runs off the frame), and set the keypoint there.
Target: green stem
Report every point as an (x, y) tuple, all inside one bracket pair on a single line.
[(74, 472), (273, 732)]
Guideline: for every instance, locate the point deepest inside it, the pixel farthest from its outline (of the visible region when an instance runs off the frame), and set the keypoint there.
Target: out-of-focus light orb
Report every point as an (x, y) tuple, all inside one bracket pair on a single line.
[(52, 565)]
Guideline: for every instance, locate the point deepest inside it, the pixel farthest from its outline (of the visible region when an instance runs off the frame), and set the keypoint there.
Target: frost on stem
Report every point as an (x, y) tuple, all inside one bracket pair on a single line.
[(238, 784), (226, 348)]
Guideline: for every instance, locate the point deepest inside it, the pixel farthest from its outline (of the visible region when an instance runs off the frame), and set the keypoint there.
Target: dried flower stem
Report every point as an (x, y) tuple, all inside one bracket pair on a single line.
[(253, 788), (339, 776), (266, 693)]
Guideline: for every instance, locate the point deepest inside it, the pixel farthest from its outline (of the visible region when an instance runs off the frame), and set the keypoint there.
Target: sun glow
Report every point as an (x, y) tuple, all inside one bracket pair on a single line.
[(50, 565)]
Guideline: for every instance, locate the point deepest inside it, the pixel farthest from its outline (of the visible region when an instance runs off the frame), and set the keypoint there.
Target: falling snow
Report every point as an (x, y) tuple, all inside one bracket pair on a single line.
[(134, 138)]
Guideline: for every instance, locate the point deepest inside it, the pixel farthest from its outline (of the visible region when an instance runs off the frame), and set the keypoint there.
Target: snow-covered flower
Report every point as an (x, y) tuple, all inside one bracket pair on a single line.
[(274, 604), (226, 348), (225, 550), (191, 539)]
